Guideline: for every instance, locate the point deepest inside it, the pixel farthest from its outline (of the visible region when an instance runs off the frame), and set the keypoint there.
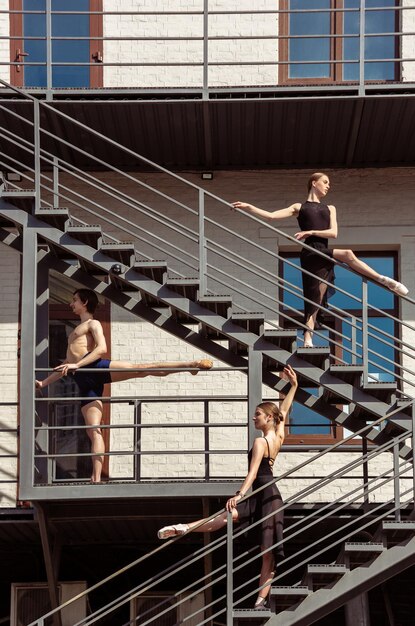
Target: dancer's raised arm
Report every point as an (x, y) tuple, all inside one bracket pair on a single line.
[(291, 211)]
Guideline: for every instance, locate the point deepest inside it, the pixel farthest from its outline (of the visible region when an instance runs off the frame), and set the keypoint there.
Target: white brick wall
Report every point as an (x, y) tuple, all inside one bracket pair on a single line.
[(9, 288), (258, 51)]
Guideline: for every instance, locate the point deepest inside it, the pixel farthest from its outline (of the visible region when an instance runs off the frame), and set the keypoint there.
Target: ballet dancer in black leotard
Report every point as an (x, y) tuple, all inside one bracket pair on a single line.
[(270, 420), (318, 223)]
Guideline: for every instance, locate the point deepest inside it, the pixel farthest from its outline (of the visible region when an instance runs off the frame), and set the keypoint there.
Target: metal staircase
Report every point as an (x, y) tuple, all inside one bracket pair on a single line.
[(231, 330)]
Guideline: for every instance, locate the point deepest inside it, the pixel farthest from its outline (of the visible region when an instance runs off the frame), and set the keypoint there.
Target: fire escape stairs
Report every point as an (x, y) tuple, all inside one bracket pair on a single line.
[(175, 304), (324, 588)]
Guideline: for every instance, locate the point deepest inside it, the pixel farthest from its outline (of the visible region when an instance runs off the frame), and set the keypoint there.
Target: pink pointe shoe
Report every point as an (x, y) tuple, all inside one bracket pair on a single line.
[(175, 530), (394, 286)]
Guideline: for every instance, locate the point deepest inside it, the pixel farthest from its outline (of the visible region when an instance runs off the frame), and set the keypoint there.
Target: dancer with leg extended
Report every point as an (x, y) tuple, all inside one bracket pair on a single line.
[(318, 223), (269, 419), (86, 346)]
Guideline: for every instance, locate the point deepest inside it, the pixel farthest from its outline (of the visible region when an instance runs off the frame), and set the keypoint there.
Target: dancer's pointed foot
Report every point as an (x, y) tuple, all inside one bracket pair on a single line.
[(261, 603), (175, 530), (308, 344), (203, 364), (393, 285)]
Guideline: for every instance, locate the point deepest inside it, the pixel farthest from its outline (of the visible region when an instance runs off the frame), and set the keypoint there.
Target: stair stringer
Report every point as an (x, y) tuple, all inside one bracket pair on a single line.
[(354, 582), (199, 313)]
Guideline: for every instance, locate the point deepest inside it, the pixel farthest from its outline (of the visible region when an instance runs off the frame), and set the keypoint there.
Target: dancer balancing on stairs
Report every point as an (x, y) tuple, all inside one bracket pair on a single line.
[(270, 420), (86, 346), (318, 223)]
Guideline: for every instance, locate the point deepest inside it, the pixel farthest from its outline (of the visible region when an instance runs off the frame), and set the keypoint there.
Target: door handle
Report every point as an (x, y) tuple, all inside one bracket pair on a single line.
[(20, 55)]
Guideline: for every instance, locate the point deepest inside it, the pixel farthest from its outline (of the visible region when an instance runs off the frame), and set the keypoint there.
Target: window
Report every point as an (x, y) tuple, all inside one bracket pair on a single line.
[(306, 425), (80, 50), (317, 35)]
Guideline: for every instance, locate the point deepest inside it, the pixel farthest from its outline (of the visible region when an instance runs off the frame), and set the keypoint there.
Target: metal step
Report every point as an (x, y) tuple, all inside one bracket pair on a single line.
[(349, 373), (221, 305), (320, 575), (315, 356), (251, 322), (358, 553), (382, 391), (286, 597), (250, 616), (58, 218), (123, 252), (185, 287), (395, 532), (20, 198), (154, 269), (89, 235), (282, 338)]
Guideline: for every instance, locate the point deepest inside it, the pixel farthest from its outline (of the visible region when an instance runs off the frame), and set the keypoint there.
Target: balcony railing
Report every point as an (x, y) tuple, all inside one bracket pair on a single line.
[(202, 52)]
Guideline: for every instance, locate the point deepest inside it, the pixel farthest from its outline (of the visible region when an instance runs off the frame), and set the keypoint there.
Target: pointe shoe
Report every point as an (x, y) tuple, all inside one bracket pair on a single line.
[(261, 605), (308, 344), (175, 530), (394, 286), (203, 364)]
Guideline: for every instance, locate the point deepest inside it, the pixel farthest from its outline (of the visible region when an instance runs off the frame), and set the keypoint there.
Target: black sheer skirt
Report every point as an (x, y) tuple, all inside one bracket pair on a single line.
[(322, 268), (263, 503)]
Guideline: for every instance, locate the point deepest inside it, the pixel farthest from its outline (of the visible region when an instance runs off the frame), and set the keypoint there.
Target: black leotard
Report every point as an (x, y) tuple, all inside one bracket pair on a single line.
[(315, 216), (262, 504)]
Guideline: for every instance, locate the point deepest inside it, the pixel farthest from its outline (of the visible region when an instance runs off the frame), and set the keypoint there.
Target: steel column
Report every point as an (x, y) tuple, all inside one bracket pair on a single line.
[(362, 48), (396, 492), (229, 570), (205, 91), (27, 362), (44, 467), (50, 570), (254, 389), (202, 246), (55, 182), (365, 337), (49, 95), (36, 148)]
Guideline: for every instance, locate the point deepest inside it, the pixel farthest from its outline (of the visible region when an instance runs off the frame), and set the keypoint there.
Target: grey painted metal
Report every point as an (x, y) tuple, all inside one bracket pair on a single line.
[(43, 464), (396, 485), (362, 56), (229, 568), (202, 245), (27, 361), (55, 182), (413, 444), (254, 389), (36, 148), (51, 572), (362, 579), (365, 339), (49, 82), (205, 78)]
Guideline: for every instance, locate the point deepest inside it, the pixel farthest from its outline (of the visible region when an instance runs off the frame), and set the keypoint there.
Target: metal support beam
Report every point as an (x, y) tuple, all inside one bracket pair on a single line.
[(27, 363), (51, 571), (43, 467), (254, 389), (356, 611)]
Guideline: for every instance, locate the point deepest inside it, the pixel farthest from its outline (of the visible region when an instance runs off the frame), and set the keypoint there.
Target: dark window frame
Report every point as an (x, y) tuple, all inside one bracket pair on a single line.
[(96, 29), (336, 431), (336, 49)]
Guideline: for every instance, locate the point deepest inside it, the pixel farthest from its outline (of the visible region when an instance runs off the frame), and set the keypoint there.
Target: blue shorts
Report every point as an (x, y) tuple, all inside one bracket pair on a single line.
[(91, 384)]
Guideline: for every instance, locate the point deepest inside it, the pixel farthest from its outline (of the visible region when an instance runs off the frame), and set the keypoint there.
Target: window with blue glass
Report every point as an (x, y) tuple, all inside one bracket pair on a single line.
[(383, 361), (321, 40), (72, 46)]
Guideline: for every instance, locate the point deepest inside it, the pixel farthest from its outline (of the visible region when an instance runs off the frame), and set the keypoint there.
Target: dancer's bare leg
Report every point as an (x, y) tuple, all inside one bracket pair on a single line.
[(349, 257), (92, 414), (164, 368), (266, 576), (216, 523), (311, 322)]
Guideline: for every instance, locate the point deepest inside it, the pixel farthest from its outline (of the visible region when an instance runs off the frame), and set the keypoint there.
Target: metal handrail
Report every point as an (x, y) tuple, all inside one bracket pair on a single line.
[(146, 585)]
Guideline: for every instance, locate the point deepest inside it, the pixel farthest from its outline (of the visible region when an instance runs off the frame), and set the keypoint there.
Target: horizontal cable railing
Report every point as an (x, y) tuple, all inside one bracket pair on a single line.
[(353, 47), (292, 565)]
